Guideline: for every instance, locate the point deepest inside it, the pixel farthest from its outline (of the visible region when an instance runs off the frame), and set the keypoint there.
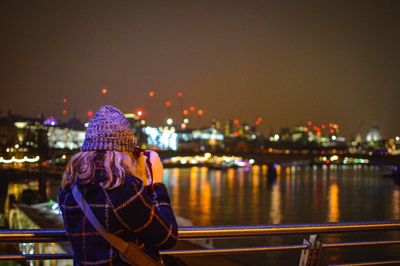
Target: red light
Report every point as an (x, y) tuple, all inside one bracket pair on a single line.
[(180, 94), (90, 113), (200, 112), (65, 100), (104, 90), (332, 131), (64, 112), (236, 122), (323, 126), (330, 125), (259, 119), (168, 104), (192, 108), (309, 123), (236, 134), (139, 113), (185, 112), (152, 93)]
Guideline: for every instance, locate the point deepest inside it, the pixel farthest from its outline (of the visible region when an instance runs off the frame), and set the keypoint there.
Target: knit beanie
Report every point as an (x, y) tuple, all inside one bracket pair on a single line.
[(108, 130)]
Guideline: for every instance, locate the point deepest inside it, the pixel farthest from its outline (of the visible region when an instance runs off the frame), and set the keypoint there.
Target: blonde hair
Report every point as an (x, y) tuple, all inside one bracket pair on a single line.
[(82, 165)]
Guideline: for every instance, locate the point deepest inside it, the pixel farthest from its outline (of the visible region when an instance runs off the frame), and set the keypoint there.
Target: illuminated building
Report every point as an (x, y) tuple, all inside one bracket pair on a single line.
[(22, 136), (169, 138), (65, 138), (374, 135)]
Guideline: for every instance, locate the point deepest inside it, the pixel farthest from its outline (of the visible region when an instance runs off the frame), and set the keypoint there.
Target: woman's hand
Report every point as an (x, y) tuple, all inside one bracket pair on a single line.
[(156, 165), (141, 169)]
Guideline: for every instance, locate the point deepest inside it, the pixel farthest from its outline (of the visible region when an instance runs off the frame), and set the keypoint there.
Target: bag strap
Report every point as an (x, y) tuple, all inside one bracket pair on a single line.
[(114, 240)]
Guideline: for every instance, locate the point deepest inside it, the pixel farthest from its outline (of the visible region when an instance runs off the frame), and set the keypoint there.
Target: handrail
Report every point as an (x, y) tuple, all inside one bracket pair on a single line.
[(285, 229), (40, 235), (309, 248)]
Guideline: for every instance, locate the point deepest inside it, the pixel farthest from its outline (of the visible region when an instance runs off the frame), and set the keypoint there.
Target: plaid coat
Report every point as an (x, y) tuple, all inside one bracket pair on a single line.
[(132, 211)]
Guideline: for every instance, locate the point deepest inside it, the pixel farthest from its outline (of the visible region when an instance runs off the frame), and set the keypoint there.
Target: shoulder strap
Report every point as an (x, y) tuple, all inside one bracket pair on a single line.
[(114, 240)]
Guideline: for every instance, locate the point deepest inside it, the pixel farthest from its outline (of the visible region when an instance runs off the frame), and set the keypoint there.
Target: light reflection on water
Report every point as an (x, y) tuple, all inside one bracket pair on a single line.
[(297, 195)]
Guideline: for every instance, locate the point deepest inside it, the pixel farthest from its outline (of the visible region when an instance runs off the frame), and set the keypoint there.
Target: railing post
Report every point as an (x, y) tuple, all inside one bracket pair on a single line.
[(310, 256)]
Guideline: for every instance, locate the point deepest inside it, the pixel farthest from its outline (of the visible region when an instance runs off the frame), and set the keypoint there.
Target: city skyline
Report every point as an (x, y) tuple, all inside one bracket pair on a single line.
[(286, 63)]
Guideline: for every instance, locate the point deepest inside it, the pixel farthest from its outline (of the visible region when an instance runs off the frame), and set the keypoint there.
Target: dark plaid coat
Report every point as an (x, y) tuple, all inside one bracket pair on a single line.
[(133, 212)]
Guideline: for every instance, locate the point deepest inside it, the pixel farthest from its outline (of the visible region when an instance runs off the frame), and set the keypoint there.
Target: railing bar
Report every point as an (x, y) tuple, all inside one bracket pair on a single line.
[(357, 244), (388, 262), (232, 250), (33, 240), (169, 252), (25, 257), (231, 231), (218, 232)]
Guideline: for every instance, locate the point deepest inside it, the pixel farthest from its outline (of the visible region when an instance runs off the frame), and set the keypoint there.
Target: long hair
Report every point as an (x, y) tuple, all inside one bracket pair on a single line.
[(82, 166)]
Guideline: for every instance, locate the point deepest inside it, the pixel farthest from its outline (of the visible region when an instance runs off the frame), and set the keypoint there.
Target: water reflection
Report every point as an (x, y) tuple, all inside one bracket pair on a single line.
[(297, 195), (334, 212), (396, 203), (255, 197), (205, 196), (275, 213), (333, 194)]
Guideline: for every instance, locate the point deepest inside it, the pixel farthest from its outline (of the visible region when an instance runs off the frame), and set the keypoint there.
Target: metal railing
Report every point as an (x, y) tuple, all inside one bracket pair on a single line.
[(310, 248)]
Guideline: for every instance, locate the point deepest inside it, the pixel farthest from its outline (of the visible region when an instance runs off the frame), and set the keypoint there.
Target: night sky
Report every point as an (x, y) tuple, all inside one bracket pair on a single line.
[(325, 61)]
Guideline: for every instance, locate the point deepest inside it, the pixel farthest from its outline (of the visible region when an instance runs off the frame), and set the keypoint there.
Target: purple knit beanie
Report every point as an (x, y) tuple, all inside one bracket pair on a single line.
[(109, 130)]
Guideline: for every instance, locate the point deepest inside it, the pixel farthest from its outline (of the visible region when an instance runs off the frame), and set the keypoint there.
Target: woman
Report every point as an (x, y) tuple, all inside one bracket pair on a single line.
[(118, 193)]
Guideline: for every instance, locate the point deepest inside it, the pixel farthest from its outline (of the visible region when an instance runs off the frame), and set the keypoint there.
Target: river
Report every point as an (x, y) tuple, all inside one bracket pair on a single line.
[(245, 196)]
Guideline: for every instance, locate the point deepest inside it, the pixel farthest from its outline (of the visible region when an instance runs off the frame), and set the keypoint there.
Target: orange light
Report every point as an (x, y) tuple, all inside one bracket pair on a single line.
[(140, 113), (259, 119), (192, 108), (305, 129), (200, 112), (332, 131), (168, 104), (152, 93), (185, 112), (236, 122), (104, 90), (236, 134), (180, 94), (90, 113), (64, 112)]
